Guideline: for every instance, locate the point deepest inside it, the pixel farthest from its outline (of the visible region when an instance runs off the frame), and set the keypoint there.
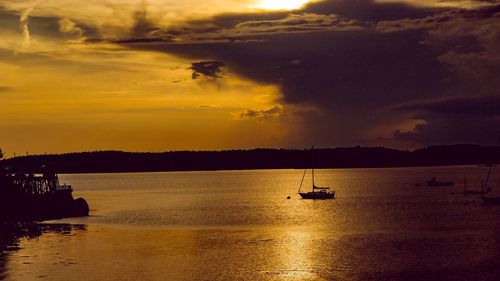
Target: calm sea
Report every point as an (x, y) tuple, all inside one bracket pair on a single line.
[(239, 225)]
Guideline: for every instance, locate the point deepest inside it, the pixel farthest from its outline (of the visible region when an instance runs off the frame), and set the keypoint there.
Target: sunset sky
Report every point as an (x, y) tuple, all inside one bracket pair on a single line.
[(160, 75)]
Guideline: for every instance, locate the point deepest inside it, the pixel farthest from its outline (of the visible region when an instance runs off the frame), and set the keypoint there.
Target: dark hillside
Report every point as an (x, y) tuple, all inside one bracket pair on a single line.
[(351, 157)]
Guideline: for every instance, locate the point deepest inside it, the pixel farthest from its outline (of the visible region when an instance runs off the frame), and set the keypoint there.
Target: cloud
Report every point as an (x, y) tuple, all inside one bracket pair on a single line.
[(346, 60), (344, 68), (226, 28), (24, 26), (262, 115), (209, 69), (348, 74), (142, 26), (453, 131), (39, 34), (68, 26), (457, 105), (296, 22), (133, 40), (468, 44), (370, 10), (461, 119)]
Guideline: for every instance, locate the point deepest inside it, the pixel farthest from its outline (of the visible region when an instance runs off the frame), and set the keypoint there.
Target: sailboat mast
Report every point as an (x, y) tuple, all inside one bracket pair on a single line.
[(301, 181), (313, 177), (312, 166), (485, 184)]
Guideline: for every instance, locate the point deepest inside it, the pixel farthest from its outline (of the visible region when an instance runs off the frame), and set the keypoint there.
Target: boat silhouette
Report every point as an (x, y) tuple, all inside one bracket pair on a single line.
[(317, 191), (434, 182)]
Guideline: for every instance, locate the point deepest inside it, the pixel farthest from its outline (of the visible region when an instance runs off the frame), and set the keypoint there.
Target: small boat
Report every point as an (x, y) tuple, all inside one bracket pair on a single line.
[(434, 182), (317, 192)]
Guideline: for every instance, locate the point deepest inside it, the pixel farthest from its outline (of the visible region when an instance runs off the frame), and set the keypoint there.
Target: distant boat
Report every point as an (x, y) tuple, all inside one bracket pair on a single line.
[(434, 182), (317, 192)]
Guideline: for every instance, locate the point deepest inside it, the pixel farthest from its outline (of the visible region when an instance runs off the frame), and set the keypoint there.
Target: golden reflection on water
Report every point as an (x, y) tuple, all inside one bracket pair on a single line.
[(104, 252), (296, 258)]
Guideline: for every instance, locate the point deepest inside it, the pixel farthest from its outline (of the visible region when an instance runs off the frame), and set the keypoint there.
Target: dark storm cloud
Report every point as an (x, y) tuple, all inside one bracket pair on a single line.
[(361, 68), (217, 23), (134, 40), (297, 22), (349, 75), (218, 30), (369, 10), (142, 24), (461, 119), (209, 69), (468, 42), (453, 130), (461, 105), (353, 58)]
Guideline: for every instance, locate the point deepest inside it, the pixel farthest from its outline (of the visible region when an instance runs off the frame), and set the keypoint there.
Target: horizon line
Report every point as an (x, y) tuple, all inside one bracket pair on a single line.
[(14, 155)]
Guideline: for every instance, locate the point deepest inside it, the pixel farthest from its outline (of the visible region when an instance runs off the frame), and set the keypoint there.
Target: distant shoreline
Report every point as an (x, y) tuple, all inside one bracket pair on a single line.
[(270, 169), (255, 159)]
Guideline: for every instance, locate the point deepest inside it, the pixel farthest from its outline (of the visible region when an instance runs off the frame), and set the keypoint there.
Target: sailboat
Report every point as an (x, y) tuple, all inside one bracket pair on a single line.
[(489, 199), (317, 191)]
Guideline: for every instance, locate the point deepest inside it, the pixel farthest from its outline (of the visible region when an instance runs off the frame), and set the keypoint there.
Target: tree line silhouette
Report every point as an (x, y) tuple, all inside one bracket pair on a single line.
[(349, 157)]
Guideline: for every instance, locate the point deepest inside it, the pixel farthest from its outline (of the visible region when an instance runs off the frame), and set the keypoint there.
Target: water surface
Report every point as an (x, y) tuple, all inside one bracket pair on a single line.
[(238, 225)]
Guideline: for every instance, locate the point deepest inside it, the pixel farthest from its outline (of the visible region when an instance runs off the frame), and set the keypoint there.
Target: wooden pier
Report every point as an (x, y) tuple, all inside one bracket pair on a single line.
[(37, 197), (37, 184)]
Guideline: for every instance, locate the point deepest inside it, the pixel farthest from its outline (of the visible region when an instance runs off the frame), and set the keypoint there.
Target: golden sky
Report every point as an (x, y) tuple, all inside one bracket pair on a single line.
[(63, 94), (122, 74)]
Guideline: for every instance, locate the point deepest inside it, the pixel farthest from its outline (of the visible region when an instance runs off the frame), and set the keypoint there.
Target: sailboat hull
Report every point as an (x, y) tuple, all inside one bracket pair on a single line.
[(317, 195)]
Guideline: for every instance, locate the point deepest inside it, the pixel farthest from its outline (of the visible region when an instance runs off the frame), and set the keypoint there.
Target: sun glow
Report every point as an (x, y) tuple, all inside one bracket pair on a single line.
[(281, 4)]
